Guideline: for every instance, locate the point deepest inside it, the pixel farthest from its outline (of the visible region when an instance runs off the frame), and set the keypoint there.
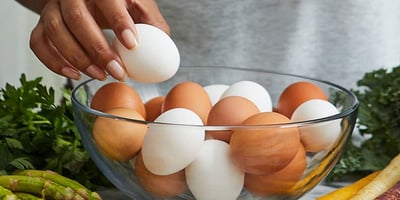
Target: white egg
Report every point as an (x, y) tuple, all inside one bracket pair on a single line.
[(170, 148), (317, 136), (252, 91), (155, 59), (212, 175), (215, 92)]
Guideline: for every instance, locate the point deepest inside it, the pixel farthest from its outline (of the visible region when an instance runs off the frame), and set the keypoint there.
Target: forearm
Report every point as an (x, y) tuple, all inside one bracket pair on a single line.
[(34, 5)]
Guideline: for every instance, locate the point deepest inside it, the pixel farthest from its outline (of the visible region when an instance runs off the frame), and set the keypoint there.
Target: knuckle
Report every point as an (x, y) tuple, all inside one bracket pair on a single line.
[(119, 20), (74, 15), (53, 25), (100, 51), (79, 60)]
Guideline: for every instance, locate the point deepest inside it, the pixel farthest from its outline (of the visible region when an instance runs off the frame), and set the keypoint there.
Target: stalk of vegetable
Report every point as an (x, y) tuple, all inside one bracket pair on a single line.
[(392, 194), (348, 191), (39, 187), (6, 194), (27, 196), (11, 197), (385, 180), (62, 180)]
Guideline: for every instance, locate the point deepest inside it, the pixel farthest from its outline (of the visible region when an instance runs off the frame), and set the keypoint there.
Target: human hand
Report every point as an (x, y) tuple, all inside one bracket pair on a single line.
[(68, 38)]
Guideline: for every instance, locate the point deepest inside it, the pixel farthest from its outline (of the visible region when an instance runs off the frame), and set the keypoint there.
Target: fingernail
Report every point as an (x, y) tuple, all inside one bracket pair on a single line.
[(71, 73), (96, 72), (129, 38), (116, 70)]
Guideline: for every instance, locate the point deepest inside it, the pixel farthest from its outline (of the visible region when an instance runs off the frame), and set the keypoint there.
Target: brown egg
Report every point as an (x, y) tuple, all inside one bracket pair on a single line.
[(159, 185), (279, 182), (117, 95), (188, 95), (263, 150), (297, 93), (153, 107), (119, 139), (229, 111)]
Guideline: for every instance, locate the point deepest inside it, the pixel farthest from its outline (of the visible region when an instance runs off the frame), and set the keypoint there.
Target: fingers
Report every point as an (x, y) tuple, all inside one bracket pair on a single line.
[(68, 38), (147, 11), (117, 16), (64, 43), (89, 35), (56, 46), (121, 16), (49, 55)]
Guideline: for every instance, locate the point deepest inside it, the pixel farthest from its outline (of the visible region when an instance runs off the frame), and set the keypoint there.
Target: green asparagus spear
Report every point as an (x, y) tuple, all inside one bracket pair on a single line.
[(27, 196), (38, 186), (6, 194), (11, 197), (62, 180)]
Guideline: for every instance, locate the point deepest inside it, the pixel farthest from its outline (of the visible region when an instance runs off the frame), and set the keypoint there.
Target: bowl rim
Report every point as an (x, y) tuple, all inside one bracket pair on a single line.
[(351, 109)]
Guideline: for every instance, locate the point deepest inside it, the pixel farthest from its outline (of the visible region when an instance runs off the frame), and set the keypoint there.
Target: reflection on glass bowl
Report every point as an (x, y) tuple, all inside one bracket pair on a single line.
[(217, 169)]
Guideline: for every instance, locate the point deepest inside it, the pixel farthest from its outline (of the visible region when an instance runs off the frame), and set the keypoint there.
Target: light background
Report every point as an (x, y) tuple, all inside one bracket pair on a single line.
[(16, 57)]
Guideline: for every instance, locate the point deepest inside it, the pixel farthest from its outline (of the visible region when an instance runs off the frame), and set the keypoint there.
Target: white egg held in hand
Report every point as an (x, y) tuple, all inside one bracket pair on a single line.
[(170, 148), (321, 135), (155, 59), (212, 175), (253, 91)]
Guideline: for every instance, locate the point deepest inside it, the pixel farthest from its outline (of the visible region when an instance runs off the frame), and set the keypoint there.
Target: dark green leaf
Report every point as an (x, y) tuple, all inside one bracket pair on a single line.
[(22, 163)]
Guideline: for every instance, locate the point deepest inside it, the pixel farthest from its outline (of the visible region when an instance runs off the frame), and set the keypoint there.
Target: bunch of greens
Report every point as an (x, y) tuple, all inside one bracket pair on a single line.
[(36, 132), (378, 121)]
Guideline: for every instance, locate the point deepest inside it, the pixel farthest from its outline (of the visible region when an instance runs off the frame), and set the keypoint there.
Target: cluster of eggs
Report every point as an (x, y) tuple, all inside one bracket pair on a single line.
[(212, 140), (171, 150)]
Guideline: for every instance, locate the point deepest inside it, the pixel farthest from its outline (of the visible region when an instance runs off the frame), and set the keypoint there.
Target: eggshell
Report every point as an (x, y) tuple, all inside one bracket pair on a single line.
[(215, 91), (264, 150), (252, 91), (153, 107), (160, 186), (117, 95), (155, 59), (279, 182), (229, 111), (317, 136), (297, 93), (119, 139), (188, 95), (168, 149), (212, 175)]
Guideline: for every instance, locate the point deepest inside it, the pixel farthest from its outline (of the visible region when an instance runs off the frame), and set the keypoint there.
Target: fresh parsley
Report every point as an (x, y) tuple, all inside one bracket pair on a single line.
[(36, 132), (378, 92)]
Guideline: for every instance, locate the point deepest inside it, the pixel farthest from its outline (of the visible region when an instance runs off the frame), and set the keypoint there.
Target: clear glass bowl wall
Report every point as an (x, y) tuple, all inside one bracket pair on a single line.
[(319, 164)]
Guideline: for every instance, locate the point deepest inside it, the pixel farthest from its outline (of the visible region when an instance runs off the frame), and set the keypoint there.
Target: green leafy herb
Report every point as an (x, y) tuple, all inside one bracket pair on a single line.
[(38, 133), (378, 121)]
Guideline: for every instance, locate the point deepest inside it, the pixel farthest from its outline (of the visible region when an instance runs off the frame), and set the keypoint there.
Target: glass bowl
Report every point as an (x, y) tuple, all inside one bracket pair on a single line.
[(215, 182)]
